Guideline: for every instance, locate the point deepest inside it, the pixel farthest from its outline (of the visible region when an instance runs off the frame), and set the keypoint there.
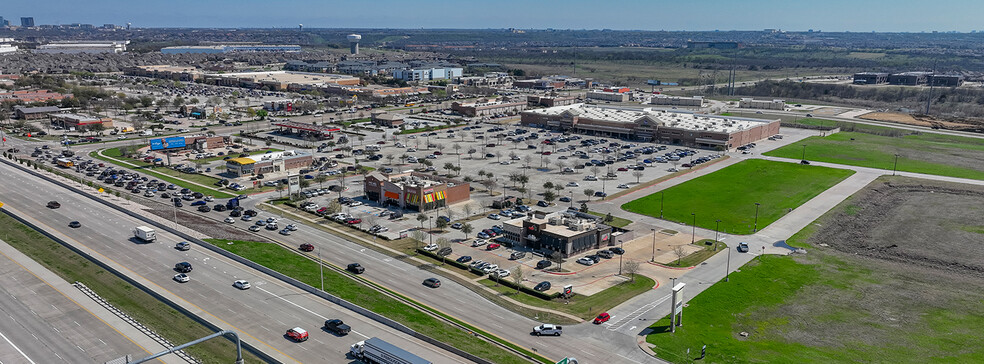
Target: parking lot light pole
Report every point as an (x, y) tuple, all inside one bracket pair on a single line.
[(727, 271), (430, 220), (572, 198), (804, 152), (895, 166), (660, 204), (755, 228), (693, 232), (654, 245)]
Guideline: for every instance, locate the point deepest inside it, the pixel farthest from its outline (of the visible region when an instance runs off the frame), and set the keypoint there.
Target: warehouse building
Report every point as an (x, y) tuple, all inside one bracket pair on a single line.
[(84, 47), (648, 124), (415, 191), (487, 107), (550, 101), (696, 101), (870, 78), (945, 80), (273, 162), (167, 72), (79, 121), (565, 232), (750, 103), (230, 48), (280, 80), (427, 73), (34, 113)]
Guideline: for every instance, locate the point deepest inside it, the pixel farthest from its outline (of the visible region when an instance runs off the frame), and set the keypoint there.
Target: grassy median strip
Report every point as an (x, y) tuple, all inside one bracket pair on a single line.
[(145, 168), (707, 251), (143, 307), (286, 262), (586, 307), (616, 221)]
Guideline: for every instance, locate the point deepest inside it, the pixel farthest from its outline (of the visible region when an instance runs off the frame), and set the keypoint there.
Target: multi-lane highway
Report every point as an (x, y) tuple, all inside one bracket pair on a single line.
[(261, 314)]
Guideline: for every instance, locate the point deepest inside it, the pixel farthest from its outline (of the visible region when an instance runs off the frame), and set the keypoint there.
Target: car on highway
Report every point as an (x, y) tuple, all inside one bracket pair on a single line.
[(542, 286), (355, 268), (291, 227), (199, 203), (241, 284), (75, 224), (337, 326), (602, 318), (743, 247), (586, 261), (230, 220), (182, 278), (284, 232), (432, 282), (183, 267), (548, 329), (53, 204), (183, 246), (254, 228), (297, 334), (306, 247)]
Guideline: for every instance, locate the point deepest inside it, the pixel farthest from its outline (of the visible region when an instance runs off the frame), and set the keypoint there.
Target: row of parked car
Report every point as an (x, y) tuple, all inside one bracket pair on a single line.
[(597, 256)]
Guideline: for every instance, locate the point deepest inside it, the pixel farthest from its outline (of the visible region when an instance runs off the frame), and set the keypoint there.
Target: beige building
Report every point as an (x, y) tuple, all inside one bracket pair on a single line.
[(749, 103), (696, 101), (487, 107), (608, 96)]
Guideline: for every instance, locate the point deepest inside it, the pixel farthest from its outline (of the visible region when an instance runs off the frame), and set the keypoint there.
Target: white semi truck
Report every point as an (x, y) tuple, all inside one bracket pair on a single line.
[(377, 351), (144, 233)]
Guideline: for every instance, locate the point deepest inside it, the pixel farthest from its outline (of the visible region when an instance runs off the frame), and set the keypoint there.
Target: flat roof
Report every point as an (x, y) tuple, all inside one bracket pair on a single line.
[(306, 126), (242, 160), (290, 77), (665, 118)]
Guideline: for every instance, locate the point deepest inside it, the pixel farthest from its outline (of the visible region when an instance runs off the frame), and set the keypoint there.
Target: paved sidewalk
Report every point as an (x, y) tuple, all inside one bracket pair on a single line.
[(68, 291)]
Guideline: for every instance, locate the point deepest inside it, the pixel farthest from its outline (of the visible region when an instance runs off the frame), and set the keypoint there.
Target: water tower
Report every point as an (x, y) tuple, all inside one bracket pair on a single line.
[(300, 27), (354, 42)]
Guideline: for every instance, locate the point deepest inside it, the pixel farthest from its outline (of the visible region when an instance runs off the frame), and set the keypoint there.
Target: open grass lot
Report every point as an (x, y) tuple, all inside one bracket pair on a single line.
[(280, 259), (585, 307), (700, 256), (892, 275), (616, 221), (927, 153), (731, 193), (72, 267)]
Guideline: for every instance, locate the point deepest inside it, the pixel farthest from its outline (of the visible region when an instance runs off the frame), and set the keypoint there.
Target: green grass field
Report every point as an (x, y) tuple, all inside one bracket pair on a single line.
[(700, 256), (143, 307), (616, 221), (731, 193), (280, 259), (927, 153), (585, 307)]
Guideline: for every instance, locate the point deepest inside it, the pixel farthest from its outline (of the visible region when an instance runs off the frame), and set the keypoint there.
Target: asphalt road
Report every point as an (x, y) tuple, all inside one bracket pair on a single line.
[(261, 314), (44, 326)]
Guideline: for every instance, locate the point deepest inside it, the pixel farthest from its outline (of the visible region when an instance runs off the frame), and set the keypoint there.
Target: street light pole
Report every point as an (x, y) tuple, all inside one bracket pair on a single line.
[(660, 205), (572, 198), (804, 152), (693, 232), (727, 272), (895, 166), (755, 228), (654, 245), (620, 257), (321, 267)]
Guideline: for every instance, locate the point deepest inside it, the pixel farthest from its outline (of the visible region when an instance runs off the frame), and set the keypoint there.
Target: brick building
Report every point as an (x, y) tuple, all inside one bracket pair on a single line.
[(284, 161), (31, 96), (550, 101), (486, 107), (415, 191), (34, 113), (565, 232)]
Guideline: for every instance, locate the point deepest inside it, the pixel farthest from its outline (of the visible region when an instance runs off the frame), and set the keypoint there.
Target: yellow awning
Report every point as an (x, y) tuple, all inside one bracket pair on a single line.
[(242, 161)]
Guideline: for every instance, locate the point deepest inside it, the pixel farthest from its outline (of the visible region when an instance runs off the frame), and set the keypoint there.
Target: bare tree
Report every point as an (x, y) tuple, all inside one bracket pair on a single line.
[(630, 268), (637, 175), (527, 159), (442, 243), (418, 237), (489, 185), (680, 252), (517, 276), (561, 165), (468, 210), (595, 170)]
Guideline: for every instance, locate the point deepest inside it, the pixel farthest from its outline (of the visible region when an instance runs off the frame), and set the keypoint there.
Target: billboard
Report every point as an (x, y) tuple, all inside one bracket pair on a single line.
[(167, 143), (293, 184)]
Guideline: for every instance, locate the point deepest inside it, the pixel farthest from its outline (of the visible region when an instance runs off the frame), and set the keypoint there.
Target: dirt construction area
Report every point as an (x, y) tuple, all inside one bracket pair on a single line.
[(920, 120)]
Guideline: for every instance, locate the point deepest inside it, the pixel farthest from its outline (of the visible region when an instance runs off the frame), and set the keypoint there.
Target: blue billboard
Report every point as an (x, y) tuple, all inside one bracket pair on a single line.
[(167, 143)]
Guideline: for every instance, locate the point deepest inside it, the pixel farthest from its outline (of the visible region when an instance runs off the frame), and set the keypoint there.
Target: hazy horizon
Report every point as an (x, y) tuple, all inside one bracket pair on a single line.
[(903, 16)]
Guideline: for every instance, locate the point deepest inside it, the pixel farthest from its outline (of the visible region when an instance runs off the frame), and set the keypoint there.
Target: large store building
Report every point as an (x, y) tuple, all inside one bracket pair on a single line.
[(648, 124), (565, 232), (415, 191), (487, 107)]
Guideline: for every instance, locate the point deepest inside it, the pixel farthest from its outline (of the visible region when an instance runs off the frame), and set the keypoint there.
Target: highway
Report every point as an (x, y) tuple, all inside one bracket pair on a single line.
[(261, 314)]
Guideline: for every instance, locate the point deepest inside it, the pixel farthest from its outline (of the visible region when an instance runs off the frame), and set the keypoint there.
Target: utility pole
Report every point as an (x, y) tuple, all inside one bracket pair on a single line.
[(321, 267)]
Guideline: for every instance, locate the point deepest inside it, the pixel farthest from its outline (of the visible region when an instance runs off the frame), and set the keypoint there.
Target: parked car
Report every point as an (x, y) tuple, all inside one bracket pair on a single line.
[(517, 255), (464, 259), (493, 246), (586, 261), (543, 264), (617, 250)]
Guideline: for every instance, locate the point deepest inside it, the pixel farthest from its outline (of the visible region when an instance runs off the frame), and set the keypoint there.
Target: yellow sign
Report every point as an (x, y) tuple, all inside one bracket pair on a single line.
[(101, 190), (1, 204)]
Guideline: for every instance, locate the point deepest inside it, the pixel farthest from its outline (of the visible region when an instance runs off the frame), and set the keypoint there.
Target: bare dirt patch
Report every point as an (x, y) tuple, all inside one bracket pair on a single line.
[(923, 120)]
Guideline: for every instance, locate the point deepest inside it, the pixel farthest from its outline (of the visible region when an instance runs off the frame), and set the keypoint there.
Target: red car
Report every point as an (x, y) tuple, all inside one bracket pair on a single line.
[(623, 169), (297, 334), (547, 153), (306, 247), (492, 246), (381, 142), (353, 221), (602, 318), (438, 153)]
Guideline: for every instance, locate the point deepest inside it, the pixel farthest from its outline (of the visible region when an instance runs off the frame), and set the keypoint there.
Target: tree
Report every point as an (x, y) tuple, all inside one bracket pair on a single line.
[(595, 170), (549, 196), (470, 152), (457, 148), (498, 156), (467, 229), (608, 218), (548, 185), (584, 208), (421, 217), (321, 179), (449, 167), (527, 159), (512, 155), (468, 210), (560, 166), (680, 252), (442, 243), (441, 224), (418, 237), (334, 207), (630, 268), (262, 114), (589, 192), (637, 175), (489, 185), (517, 276)]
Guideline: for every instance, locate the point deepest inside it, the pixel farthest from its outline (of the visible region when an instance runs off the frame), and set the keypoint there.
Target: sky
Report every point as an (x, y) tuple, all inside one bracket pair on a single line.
[(792, 15)]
